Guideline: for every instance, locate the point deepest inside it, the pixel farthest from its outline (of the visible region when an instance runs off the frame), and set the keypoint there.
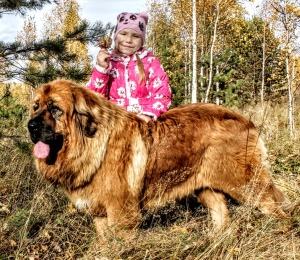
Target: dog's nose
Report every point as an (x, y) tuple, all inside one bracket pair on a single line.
[(33, 126)]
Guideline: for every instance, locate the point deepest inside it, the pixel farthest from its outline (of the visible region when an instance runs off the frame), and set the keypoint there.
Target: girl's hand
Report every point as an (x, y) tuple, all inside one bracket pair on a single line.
[(103, 58), (144, 117)]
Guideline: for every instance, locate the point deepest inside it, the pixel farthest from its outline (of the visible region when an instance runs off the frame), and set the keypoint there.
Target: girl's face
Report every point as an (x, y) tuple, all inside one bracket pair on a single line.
[(128, 41)]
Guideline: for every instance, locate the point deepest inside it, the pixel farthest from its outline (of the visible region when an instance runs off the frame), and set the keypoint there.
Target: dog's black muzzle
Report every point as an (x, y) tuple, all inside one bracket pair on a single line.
[(40, 131)]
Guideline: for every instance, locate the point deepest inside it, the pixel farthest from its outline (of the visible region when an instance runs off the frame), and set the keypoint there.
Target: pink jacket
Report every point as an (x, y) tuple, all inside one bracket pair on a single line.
[(120, 84)]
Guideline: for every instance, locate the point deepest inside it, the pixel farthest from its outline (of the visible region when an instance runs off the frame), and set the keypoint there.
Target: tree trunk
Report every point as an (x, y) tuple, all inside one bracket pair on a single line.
[(263, 68), (211, 55), (201, 68), (32, 89), (194, 83), (217, 86), (185, 73), (291, 96), (190, 72), (289, 81)]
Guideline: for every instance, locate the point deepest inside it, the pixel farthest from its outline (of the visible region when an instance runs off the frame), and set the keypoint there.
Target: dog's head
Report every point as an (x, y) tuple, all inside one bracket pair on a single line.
[(61, 113)]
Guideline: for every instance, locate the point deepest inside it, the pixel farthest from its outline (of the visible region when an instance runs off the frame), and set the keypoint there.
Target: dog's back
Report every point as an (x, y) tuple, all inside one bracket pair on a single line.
[(204, 147)]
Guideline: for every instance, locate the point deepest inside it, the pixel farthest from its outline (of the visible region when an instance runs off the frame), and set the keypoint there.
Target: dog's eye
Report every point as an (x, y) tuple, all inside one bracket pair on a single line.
[(35, 106), (55, 112)]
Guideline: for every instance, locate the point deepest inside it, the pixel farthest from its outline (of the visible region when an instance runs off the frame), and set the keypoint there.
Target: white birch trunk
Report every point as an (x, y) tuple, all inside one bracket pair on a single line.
[(290, 93), (185, 73), (211, 55), (289, 79), (31, 97), (190, 72), (194, 82), (201, 68), (217, 86), (263, 67), (291, 96)]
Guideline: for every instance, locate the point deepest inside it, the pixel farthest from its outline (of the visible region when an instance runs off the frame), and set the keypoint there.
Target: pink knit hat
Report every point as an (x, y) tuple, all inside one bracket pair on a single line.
[(135, 21)]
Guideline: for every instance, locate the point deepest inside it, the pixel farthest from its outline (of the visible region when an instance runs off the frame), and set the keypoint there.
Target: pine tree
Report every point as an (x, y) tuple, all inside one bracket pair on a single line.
[(63, 18), (15, 55), (21, 6)]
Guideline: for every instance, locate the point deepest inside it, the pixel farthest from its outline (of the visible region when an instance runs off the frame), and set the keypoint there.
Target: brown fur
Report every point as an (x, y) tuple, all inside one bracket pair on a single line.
[(113, 164)]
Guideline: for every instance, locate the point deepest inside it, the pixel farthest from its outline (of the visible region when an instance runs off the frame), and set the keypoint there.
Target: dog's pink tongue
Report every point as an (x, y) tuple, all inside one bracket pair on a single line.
[(41, 150)]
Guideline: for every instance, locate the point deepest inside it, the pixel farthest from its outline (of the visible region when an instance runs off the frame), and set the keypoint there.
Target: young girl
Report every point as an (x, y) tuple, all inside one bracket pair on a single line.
[(131, 76)]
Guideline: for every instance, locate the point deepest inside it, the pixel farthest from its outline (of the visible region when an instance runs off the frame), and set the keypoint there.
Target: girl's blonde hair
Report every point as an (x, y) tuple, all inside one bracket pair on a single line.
[(141, 69)]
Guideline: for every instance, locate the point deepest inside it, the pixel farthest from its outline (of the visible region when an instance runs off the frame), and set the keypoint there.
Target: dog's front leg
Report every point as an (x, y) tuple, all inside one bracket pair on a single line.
[(123, 218), (101, 225)]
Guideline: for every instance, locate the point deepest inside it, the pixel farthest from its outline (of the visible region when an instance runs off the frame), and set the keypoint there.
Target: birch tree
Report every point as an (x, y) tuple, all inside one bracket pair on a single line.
[(262, 91), (212, 52), (284, 14), (194, 82), (229, 50)]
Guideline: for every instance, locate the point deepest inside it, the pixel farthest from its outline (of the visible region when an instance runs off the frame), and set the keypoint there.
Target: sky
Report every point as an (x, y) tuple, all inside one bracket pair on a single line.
[(92, 10)]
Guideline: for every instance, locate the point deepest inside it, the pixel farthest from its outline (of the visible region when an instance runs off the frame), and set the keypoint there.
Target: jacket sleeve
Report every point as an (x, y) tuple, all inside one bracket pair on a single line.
[(158, 88), (99, 80)]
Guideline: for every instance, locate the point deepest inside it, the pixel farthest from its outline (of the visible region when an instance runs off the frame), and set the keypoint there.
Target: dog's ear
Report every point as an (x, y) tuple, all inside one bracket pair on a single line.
[(84, 112)]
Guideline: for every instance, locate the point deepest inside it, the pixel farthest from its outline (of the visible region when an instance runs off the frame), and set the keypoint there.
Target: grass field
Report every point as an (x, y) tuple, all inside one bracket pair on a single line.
[(38, 222)]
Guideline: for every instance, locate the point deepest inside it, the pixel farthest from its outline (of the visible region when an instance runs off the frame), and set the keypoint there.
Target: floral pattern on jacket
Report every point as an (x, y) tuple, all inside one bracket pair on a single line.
[(120, 84)]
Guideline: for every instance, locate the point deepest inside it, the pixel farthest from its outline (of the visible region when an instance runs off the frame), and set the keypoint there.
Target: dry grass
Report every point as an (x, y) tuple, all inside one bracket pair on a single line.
[(37, 221)]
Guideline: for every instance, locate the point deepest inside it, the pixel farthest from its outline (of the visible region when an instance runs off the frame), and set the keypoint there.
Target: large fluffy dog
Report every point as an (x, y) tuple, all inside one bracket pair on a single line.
[(113, 164)]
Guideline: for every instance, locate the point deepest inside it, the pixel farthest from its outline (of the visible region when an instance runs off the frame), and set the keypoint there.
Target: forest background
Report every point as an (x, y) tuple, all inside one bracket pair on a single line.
[(213, 51)]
